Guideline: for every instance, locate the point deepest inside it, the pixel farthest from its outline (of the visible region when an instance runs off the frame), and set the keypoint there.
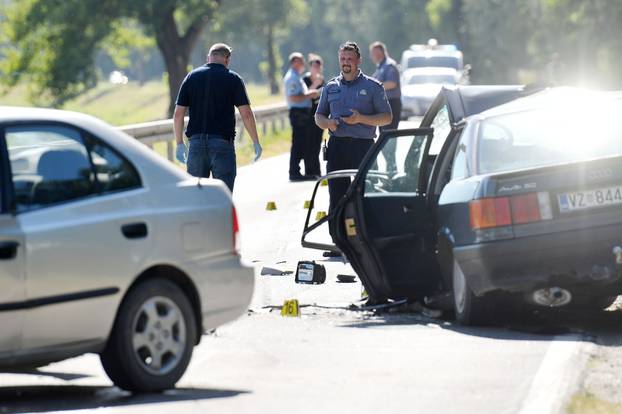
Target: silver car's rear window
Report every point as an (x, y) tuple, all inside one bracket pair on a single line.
[(559, 134)]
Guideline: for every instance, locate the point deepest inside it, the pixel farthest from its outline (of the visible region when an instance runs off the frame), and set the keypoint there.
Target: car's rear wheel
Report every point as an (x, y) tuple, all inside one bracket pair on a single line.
[(469, 309), (152, 339)]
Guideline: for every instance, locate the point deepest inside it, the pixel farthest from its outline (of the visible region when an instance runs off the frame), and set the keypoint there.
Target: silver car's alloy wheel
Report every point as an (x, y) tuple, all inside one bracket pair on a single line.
[(460, 288), (159, 335)]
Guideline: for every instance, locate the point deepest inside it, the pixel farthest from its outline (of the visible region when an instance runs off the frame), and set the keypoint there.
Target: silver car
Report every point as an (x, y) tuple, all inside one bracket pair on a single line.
[(106, 247)]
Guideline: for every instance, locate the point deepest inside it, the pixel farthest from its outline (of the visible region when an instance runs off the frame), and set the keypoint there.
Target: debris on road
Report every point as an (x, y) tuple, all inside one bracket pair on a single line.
[(272, 271), (346, 278), (310, 273)]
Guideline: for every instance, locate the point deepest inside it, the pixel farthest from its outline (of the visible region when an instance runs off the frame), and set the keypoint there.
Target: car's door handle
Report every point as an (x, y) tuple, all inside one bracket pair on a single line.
[(134, 230), (8, 249)]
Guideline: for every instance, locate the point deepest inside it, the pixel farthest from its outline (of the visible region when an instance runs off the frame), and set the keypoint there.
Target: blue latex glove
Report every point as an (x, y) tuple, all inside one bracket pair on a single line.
[(181, 153), (258, 151)]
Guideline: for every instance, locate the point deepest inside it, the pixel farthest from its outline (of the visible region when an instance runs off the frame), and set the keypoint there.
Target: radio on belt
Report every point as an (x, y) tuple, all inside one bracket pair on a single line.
[(310, 273)]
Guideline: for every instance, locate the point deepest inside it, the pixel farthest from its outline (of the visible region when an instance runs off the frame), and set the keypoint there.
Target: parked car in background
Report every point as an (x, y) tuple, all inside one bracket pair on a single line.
[(495, 196), (432, 55), (420, 86), (106, 247)]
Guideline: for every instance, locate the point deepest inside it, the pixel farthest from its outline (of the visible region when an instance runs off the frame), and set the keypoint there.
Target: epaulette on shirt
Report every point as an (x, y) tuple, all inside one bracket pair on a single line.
[(373, 80)]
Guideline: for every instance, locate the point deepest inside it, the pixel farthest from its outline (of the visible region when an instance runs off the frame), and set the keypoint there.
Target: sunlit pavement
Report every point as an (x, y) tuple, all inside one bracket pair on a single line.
[(329, 359)]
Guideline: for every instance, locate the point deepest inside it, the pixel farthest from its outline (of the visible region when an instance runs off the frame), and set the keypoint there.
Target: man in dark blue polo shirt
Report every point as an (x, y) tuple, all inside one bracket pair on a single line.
[(210, 94), (351, 106)]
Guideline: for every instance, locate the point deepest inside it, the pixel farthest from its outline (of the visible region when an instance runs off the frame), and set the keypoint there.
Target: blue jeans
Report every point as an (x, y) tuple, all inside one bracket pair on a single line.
[(212, 156)]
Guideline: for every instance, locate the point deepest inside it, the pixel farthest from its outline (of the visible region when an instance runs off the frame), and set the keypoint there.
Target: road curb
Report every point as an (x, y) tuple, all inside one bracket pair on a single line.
[(559, 375)]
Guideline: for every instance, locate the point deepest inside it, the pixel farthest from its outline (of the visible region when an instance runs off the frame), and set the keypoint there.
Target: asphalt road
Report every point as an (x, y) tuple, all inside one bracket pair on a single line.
[(330, 359)]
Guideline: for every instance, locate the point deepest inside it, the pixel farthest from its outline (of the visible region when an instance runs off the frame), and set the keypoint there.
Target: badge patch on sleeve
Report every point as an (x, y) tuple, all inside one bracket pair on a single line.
[(363, 92)]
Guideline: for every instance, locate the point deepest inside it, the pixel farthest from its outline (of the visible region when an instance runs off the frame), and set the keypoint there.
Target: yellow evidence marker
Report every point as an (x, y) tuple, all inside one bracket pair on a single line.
[(290, 308), (307, 205), (320, 215), (271, 206), (324, 183)]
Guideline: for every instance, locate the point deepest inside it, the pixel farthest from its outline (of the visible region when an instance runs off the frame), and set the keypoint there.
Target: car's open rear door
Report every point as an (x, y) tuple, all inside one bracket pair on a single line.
[(383, 226)]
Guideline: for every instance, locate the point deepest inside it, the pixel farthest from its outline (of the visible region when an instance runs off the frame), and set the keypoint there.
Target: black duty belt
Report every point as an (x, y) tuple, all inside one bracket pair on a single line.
[(212, 136)]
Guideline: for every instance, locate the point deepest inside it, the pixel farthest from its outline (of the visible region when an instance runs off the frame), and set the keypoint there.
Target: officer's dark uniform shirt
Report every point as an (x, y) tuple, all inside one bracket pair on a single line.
[(213, 114), (363, 93), (387, 71)]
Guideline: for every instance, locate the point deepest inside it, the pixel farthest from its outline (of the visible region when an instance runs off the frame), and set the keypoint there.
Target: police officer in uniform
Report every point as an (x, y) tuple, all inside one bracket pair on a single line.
[(389, 75), (351, 106), (314, 79), (299, 99)]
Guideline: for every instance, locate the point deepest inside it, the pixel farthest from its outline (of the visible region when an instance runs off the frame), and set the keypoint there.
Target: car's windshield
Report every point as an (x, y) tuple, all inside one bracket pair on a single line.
[(543, 137), (436, 79), (433, 61)]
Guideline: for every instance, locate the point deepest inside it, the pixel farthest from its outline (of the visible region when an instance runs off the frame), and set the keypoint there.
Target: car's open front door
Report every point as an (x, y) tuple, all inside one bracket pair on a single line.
[(383, 226)]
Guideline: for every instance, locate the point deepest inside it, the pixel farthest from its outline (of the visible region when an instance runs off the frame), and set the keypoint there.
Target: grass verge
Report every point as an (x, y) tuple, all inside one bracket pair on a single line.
[(587, 403), (128, 104)]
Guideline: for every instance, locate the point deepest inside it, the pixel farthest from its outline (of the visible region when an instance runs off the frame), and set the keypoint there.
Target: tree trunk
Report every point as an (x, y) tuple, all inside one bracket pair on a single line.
[(272, 69), (176, 50)]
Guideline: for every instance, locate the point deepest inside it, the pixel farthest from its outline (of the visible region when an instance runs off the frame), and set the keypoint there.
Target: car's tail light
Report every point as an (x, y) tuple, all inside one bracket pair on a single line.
[(532, 207), (236, 230), (490, 212), (505, 211)]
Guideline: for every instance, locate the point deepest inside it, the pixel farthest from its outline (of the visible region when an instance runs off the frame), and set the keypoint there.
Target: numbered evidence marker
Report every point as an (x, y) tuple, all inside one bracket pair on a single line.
[(271, 206), (320, 215), (290, 308)]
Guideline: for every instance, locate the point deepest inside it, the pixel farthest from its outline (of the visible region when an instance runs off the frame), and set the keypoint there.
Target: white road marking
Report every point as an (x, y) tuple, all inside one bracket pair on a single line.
[(558, 375)]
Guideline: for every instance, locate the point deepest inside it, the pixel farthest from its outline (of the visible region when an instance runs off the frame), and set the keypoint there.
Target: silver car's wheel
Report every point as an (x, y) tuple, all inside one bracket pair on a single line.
[(159, 335), (152, 339)]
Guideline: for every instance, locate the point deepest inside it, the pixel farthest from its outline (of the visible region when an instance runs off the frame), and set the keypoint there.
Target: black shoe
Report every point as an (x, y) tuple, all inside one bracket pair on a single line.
[(331, 254), (298, 177), (311, 177)]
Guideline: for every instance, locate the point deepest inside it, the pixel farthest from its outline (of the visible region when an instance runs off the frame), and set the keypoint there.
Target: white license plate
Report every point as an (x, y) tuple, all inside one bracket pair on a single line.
[(582, 200)]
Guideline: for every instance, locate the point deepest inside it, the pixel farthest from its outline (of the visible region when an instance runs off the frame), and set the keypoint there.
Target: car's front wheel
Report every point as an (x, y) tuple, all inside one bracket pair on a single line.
[(152, 339), (469, 309)]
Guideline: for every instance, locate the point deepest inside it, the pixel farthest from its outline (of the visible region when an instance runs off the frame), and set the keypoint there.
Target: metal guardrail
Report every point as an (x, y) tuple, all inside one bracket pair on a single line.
[(272, 117)]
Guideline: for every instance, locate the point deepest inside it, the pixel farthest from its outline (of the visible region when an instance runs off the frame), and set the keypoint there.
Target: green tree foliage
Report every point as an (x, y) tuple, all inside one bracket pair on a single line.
[(266, 22), (54, 42)]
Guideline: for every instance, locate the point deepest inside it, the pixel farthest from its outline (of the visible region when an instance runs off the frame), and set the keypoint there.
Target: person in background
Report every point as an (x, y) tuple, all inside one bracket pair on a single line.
[(314, 79), (299, 99), (210, 94), (388, 74)]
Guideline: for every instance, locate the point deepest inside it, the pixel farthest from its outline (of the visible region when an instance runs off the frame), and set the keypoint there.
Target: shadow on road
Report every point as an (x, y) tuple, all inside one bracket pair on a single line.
[(540, 325), (36, 399)]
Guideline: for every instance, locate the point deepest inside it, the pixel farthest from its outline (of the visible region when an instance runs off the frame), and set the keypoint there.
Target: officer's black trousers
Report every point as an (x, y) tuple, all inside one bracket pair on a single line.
[(300, 120), (312, 151), (344, 154)]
